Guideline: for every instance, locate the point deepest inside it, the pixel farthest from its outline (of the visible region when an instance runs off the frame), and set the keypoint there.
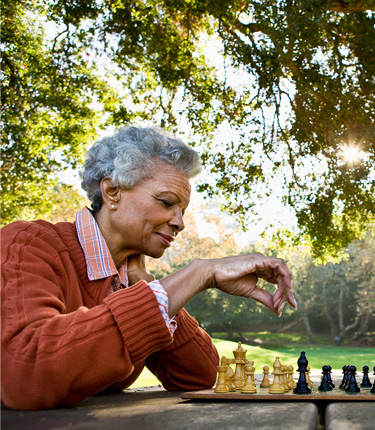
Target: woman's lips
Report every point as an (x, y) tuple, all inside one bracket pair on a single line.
[(166, 238)]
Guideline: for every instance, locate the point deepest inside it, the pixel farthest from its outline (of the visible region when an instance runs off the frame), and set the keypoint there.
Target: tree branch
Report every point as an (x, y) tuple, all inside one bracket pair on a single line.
[(344, 6)]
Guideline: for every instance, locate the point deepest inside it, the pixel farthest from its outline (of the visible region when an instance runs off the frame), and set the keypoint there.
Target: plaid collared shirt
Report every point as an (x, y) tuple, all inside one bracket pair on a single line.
[(100, 263)]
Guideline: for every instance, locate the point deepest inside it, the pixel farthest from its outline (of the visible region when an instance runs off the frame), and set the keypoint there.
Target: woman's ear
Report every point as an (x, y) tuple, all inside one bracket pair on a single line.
[(110, 193)]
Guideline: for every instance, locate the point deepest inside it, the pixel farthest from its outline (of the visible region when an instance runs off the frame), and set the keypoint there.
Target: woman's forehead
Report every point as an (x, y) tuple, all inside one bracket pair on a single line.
[(167, 179)]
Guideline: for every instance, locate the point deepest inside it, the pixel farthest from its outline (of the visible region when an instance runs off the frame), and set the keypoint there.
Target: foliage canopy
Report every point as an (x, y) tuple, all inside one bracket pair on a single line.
[(295, 85)]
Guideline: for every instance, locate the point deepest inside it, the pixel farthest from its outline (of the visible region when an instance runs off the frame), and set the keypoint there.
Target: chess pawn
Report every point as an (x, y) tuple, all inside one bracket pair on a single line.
[(330, 378), (221, 385), (345, 379), (302, 386), (372, 391), (352, 386), (325, 385), (276, 387), (283, 378), (249, 387), (290, 380), (366, 383), (266, 383), (308, 377), (247, 363)]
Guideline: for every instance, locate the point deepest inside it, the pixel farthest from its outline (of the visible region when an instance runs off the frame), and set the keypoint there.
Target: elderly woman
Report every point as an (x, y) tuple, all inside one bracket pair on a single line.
[(80, 312)]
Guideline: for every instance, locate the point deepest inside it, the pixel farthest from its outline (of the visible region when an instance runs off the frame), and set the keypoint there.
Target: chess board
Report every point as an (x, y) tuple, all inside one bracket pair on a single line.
[(263, 395)]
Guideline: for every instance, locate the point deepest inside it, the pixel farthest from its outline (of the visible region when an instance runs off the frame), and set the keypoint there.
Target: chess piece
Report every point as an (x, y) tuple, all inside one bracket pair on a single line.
[(249, 387), (325, 384), (352, 386), (302, 386), (308, 377), (230, 373), (343, 377), (266, 383), (290, 380), (240, 361), (366, 383), (347, 377), (276, 387), (372, 391), (221, 385), (283, 378), (330, 378)]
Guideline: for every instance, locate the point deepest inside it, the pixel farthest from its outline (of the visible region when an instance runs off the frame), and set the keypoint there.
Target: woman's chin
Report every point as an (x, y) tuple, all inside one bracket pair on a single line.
[(155, 253)]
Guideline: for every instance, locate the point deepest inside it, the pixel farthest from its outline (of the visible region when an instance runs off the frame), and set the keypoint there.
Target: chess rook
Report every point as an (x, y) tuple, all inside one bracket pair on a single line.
[(221, 385)]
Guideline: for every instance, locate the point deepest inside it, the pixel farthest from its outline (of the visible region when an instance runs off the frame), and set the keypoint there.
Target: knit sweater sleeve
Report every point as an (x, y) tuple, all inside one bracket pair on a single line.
[(190, 362), (55, 349)]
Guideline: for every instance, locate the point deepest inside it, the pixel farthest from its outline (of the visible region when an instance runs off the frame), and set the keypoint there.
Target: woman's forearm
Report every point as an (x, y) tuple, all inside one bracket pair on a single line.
[(186, 283)]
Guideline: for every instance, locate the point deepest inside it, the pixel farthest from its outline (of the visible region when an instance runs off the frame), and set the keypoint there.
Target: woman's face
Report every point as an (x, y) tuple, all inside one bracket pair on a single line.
[(149, 216)]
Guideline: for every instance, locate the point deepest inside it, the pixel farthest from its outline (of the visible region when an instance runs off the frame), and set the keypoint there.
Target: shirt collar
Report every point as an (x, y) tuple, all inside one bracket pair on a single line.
[(99, 260)]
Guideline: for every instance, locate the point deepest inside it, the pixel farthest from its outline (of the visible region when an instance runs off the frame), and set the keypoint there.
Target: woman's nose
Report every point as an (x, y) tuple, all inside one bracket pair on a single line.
[(177, 221)]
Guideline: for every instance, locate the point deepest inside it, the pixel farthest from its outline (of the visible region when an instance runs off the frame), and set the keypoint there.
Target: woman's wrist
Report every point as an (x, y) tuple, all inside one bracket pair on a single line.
[(183, 285)]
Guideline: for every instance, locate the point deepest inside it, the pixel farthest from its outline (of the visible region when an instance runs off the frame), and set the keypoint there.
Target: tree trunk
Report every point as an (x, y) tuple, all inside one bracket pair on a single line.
[(364, 322), (342, 328), (229, 331), (287, 327), (332, 325), (305, 317)]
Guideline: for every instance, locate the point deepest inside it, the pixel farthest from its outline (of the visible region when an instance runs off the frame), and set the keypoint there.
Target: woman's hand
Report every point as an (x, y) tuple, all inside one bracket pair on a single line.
[(137, 270), (239, 275)]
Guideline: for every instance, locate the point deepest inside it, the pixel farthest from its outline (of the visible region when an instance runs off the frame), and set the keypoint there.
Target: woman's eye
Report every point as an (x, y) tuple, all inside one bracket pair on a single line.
[(167, 204)]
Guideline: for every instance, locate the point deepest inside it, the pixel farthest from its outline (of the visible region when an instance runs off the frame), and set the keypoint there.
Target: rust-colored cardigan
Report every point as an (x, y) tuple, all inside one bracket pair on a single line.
[(65, 339)]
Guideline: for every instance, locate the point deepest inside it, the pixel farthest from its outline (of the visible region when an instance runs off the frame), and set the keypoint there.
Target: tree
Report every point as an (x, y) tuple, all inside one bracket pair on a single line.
[(361, 271), (47, 113), (296, 88), (66, 202), (337, 295)]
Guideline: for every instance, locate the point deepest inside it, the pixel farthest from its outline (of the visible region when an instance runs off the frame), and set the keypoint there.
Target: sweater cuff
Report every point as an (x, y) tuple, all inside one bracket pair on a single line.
[(137, 315), (187, 327)]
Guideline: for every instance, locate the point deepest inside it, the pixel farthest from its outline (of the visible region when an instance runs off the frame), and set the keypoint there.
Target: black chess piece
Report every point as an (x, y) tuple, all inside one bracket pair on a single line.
[(302, 386), (325, 384), (352, 386), (330, 378), (344, 378), (372, 391), (366, 383), (347, 378)]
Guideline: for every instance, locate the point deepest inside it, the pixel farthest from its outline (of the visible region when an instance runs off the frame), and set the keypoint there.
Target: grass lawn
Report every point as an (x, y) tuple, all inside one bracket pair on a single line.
[(318, 356)]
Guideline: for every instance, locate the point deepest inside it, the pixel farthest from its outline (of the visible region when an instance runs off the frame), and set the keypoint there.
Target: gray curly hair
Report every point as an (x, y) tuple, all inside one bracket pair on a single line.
[(128, 157)]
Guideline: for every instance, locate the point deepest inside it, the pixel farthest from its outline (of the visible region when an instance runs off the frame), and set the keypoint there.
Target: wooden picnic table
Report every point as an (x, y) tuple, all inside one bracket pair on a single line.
[(153, 408)]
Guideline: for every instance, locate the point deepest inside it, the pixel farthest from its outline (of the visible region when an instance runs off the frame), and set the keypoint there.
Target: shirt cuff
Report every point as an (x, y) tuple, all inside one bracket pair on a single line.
[(162, 298)]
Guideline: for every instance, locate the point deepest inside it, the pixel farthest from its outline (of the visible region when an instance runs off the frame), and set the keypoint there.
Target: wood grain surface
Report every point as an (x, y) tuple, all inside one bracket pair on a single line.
[(262, 394)]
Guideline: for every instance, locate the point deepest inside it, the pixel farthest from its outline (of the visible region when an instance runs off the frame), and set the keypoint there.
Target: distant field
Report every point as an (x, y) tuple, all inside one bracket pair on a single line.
[(317, 356)]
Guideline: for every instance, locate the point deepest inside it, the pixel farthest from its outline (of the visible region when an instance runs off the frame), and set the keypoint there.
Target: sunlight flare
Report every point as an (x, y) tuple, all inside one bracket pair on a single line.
[(350, 153)]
